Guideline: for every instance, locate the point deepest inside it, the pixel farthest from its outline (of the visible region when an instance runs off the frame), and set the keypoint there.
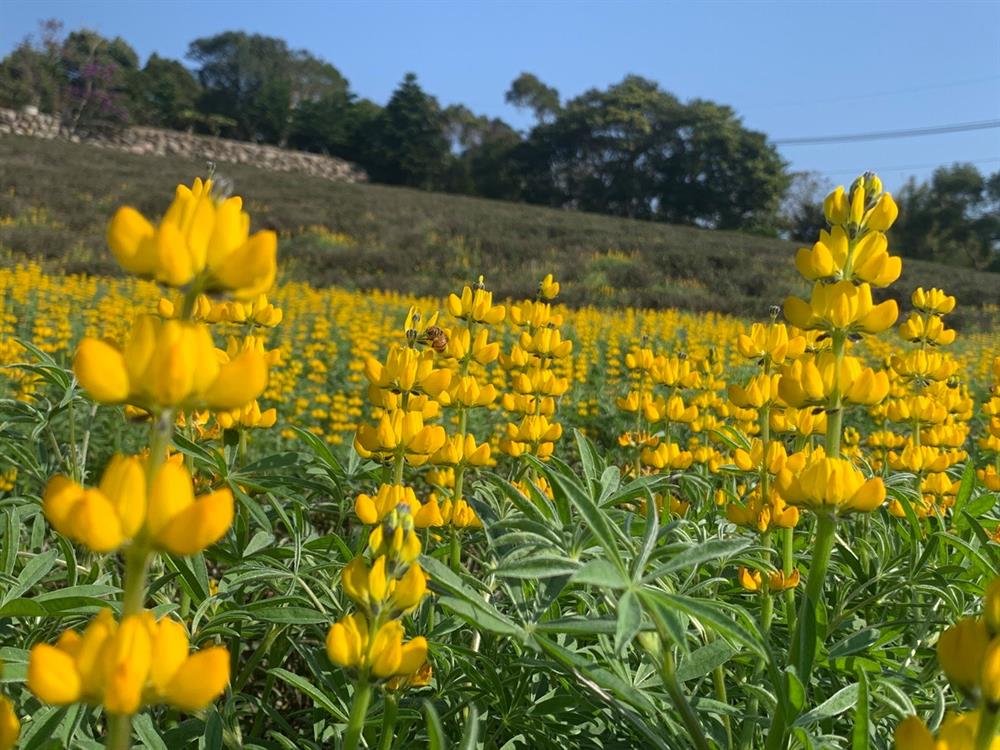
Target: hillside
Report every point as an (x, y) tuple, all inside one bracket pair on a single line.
[(56, 197)]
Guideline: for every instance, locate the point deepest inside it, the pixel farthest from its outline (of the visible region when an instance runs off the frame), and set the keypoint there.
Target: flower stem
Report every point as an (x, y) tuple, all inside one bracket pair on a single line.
[(389, 713), (688, 717), (137, 559), (989, 722), (359, 711), (803, 654)]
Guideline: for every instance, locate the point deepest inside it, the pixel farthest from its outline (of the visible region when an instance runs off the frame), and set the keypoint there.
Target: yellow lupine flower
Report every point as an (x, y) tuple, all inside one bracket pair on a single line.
[(548, 288), (961, 650), (476, 305), (811, 381), (373, 509), (926, 328), (350, 644), (459, 450), (821, 483), (122, 508), (168, 364), (841, 306), (776, 580), (200, 236), (932, 301), (400, 432), (113, 665), (375, 589), (770, 342)]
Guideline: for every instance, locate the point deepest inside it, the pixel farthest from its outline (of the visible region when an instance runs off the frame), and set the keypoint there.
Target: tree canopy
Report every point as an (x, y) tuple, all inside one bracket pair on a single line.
[(632, 149)]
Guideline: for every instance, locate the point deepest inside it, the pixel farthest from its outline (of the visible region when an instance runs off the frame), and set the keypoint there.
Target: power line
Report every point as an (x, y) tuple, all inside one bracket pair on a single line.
[(875, 95), (883, 135), (901, 167)]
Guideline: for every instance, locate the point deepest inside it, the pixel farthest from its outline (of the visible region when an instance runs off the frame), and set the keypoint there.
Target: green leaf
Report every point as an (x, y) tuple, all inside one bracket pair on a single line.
[(34, 571), (286, 615), (470, 737), (213, 730), (795, 691), (146, 731), (320, 698), (542, 566), (703, 660), (23, 608), (436, 739), (965, 487), (855, 642), (710, 615), (600, 572), (629, 620), (862, 732), (696, 554), (489, 620), (835, 705)]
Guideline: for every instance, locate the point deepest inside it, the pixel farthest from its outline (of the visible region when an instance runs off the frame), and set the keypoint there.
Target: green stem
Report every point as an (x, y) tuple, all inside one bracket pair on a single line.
[(989, 722), (688, 717), (455, 553), (389, 713), (397, 470), (803, 654), (137, 559), (359, 711), (787, 566), (719, 681)]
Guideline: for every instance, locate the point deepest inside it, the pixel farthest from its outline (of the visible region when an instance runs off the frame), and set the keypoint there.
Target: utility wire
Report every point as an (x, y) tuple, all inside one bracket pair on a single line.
[(874, 95), (884, 135), (901, 167)]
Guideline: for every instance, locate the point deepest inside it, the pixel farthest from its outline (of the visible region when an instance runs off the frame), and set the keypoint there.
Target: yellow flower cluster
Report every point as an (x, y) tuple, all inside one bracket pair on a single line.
[(125, 666), (147, 505), (969, 655), (533, 368)]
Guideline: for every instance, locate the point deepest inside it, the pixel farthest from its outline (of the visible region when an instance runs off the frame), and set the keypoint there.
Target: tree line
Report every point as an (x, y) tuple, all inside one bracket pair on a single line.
[(632, 149)]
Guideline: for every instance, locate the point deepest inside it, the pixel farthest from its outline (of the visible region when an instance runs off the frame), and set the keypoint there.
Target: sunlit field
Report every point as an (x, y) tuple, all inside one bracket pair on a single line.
[(240, 511)]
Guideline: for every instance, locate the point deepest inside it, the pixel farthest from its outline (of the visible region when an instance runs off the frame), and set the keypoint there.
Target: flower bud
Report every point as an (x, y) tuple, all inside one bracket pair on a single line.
[(882, 216), (835, 207)]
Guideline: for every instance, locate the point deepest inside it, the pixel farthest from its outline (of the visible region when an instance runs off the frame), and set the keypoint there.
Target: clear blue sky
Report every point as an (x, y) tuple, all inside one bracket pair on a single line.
[(789, 68)]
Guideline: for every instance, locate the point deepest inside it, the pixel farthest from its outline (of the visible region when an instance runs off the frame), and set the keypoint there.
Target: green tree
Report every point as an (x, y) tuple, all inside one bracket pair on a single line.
[(635, 150), (32, 74), (164, 93), (409, 143), (953, 218), (801, 214), (259, 83), (528, 92), (483, 155)]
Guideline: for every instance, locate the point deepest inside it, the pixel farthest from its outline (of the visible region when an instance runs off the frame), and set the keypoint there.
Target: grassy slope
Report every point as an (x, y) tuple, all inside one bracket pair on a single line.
[(420, 242)]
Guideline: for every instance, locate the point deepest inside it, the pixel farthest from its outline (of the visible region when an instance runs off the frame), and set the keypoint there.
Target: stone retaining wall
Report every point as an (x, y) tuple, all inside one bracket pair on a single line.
[(141, 140)]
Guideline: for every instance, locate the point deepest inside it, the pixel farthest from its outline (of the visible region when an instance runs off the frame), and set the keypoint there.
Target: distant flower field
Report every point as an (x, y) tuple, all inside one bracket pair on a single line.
[(244, 514)]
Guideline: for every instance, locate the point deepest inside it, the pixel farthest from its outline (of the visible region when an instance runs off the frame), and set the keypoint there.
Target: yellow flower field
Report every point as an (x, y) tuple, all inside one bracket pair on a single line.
[(246, 514)]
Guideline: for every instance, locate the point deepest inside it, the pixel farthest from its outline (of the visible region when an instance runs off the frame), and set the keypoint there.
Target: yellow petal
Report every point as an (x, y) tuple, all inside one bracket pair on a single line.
[(130, 237), (52, 676), (171, 493), (100, 368), (250, 269), (239, 382), (170, 644), (200, 524), (200, 680)]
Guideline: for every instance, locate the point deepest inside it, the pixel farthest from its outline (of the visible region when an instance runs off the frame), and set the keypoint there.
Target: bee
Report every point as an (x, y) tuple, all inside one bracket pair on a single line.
[(437, 339)]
